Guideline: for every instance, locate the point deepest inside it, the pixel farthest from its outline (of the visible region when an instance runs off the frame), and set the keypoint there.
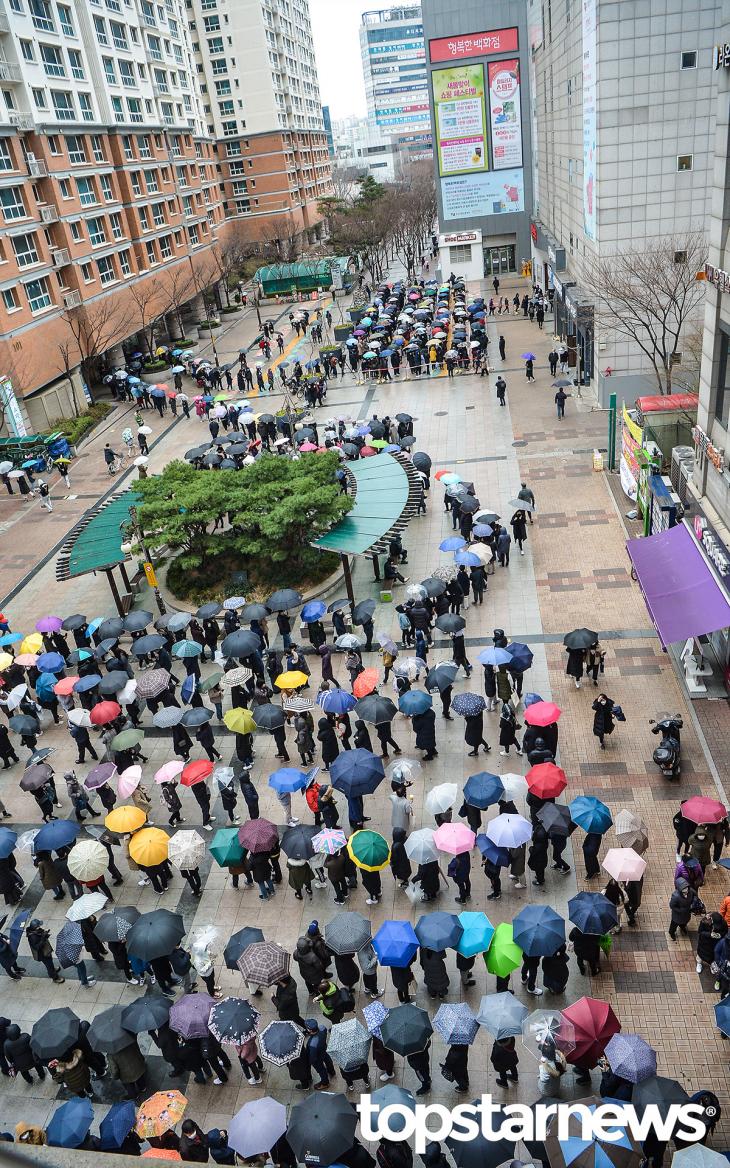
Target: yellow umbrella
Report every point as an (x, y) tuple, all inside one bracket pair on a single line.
[(31, 644), (5, 660), (149, 847), (125, 818), (239, 720), (292, 679)]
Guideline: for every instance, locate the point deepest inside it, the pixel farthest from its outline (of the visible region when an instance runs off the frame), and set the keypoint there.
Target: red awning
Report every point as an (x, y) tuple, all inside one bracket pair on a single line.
[(667, 402)]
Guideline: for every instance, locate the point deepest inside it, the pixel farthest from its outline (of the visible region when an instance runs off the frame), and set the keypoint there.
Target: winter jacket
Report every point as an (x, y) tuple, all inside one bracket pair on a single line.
[(127, 1064), (311, 966), (680, 905), (434, 971), (709, 933)]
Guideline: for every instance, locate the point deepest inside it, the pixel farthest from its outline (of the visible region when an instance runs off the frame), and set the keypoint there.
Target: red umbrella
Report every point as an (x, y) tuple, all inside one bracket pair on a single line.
[(196, 772), (258, 835), (546, 780), (104, 712), (66, 685), (366, 682), (542, 713), (594, 1023), (367, 451), (700, 809)]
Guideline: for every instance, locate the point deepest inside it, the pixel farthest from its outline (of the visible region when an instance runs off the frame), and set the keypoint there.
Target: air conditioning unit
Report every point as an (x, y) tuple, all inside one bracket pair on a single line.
[(49, 213), (21, 121), (37, 167), (72, 300), (683, 461), (60, 257)]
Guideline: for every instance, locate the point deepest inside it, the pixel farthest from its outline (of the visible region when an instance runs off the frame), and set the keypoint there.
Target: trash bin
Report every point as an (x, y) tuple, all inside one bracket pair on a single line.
[(597, 460)]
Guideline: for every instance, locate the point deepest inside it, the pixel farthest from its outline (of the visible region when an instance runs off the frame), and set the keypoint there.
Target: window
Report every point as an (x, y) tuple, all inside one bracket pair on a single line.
[(63, 105), (124, 264), (26, 252), (39, 97), (193, 235), (143, 145), (128, 147), (52, 59), (212, 23), (38, 295), (689, 59), (10, 300), (154, 45), (223, 88), (118, 109), (97, 233), (722, 396), (86, 191), (65, 188), (115, 221), (144, 218), (87, 110), (230, 129), (165, 247), (119, 35), (219, 65), (97, 145), (87, 272), (77, 64), (76, 150), (6, 158), (158, 214), (109, 73), (136, 184), (684, 161), (106, 269), (227, 109), (151, 252), (41, 12), (150, 178), (135, 109), (126, 72), (215, 45), (11, 201), (16, 5), (66, 20), (571, 170), (76, 232), (100, 29), (107, 190), (26, 48)]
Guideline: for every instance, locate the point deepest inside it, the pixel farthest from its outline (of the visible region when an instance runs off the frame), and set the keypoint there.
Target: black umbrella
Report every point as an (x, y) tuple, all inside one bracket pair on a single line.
[(240, 941), (306, 434), (363, 611), (267, 418), (136, 621), (407, 441), (376, 428), (155, 934), (237, 449), (660, 1091), (112, 627), (212, 608), (487, 517), (212, 458), (469, 504), (421, 461), (296, 842), (406, 1030), (269, 717), (580, 639), (228, 464), (115, 925), (441, 677), (77, 621), (113, 682), (404, 418), (284, 599), (338, 605), (555, 819), (196, 453), (146, 1013), (36, 776), (149, 644), (321, 1128), (375, 709), (240, 643), (107, 1032), (198, 716), (434, 587), (233, 1020), (54, 1033), (251, 612), (450, 622), (24, 724), (481, 1152), (237, 436), (104, 647), (350, 449)]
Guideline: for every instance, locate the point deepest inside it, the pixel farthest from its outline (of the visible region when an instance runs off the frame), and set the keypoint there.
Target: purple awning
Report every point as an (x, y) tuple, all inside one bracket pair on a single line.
[(682, 595)]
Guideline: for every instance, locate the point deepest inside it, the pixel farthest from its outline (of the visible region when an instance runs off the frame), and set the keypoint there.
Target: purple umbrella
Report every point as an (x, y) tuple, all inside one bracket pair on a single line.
[(49, 624), (99, 775), (189, 1016)]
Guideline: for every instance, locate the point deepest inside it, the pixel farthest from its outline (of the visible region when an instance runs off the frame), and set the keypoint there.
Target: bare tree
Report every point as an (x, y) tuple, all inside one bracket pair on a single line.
[(226, 260), (149, 304), (94, 327), (180, 288), (652, 298)]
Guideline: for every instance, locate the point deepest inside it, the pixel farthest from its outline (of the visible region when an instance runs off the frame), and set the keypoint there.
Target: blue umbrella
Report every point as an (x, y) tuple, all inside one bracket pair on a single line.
[(454, 543), (388, 1096), (468, 704), (84, 684), (59, 833), (356, 772), (415, 701), (490, 851), (15, 931), (287, 780), (477, 935), (631, 1057), (590, 814), (70, 1124), (336, 701), (314, 610), (117, 1124), (188, 687), (50, 663), (157, 392), (396, 943), (483, 790), (11, 638), (538, 930), (455, 1023), (439, 930), (44, 685), (529, 699), (468, 559), (522, 655), (502, 1015), (390, 450), (593, 913), (482, 529), (494, 656), (8, 840)]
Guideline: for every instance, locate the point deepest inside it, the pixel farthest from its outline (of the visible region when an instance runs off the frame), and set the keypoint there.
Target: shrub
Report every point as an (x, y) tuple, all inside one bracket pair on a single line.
[(155, 366), (74, 429), (229, 308)]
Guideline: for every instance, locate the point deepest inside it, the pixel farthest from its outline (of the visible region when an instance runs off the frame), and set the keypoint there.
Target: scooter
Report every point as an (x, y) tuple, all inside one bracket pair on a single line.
[(668, 754)]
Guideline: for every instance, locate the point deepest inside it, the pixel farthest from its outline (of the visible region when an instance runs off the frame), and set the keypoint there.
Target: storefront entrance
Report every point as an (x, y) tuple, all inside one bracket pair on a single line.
[(499, 261)]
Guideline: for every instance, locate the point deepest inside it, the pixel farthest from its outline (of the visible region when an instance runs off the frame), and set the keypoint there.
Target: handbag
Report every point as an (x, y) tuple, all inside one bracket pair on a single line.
[(414, 892)]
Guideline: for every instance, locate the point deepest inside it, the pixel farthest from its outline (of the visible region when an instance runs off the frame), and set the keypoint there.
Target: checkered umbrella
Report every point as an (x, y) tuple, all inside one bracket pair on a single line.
[(455, 1023), (167, 717), (152, 683), (347, 932), (281, 1042), (233, 1020), (189, 1016), (631, 831), (264, 963), (348, 1044)]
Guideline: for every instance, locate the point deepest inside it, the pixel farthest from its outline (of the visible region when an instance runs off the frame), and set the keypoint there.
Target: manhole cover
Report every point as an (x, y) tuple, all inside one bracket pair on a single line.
[(521, 442), (440, 413)]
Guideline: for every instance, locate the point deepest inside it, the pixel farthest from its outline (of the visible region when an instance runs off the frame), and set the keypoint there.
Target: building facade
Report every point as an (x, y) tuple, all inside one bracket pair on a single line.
[(478, 61), (261, 103), (394, 69), (623, 115), (360, 146)]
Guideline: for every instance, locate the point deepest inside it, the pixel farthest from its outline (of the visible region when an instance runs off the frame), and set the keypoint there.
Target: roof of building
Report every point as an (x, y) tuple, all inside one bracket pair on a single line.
[(387, 487), (96, 542)]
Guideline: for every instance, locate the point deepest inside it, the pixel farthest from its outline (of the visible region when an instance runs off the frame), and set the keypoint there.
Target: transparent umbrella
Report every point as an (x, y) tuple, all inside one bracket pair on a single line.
[(547, 1026)]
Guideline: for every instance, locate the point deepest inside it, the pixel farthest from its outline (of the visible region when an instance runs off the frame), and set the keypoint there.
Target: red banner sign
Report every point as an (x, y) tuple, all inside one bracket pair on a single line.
[(474, 44)]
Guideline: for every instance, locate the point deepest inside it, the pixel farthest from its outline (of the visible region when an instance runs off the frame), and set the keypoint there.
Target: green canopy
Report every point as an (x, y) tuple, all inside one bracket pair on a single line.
[(96, 543), (387, 489)]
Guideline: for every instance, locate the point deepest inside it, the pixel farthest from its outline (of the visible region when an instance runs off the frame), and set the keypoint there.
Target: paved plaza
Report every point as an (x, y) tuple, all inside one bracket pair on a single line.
[(575, 572)]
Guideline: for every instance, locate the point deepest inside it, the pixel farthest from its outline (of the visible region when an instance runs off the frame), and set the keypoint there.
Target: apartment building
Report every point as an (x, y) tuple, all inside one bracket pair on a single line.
[(396, 81), (108, 185), (261, 102)]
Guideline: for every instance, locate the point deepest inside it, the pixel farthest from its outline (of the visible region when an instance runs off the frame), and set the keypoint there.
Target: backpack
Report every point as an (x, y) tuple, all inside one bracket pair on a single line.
[(345, 1001)]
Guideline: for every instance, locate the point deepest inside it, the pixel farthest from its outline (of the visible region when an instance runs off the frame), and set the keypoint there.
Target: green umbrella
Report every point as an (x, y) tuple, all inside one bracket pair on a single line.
[(378, 443), (368, 850), (226, 848), (204, 686), (503, 955), (127, 739)]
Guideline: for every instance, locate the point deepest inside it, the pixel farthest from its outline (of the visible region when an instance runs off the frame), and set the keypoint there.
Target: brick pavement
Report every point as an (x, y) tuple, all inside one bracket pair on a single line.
[(650, 980)]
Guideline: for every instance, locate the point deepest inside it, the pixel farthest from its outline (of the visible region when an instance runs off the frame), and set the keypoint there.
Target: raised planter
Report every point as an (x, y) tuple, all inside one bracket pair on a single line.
[(208, 326)]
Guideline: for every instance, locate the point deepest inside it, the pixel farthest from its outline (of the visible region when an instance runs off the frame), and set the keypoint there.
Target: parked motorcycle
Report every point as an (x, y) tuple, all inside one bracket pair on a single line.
[(668, 754)]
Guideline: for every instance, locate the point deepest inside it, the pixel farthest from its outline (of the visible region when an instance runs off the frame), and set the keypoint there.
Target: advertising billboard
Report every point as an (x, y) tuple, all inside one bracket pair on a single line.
[(460, 117), (475, 195), (590, 56), (474, 44), (505, 113)]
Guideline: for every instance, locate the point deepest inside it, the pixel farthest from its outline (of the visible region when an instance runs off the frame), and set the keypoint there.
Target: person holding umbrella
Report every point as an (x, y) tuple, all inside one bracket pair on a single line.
[(41, 948)]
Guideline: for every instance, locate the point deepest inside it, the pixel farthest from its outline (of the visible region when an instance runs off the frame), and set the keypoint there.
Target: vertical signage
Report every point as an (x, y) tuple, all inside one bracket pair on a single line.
[(590, 54), (505, 113), (9, 404), (460, 117)]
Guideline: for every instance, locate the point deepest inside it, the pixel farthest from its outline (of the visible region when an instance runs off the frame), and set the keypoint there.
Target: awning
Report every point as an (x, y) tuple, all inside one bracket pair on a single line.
[(682, 595), (95, 544), (387, 488)]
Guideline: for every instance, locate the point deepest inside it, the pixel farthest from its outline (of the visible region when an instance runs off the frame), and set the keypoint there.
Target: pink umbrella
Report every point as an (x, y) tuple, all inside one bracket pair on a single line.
[(307, 447), (129, 781), (624, 864), (454, 838), (542, 713), (700, 809), (169, 771), (367, 451)]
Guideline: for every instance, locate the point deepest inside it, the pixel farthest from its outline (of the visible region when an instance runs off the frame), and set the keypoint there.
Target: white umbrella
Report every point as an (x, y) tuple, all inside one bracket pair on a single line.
[(79, 718), (481, 550), (128, 781), (186, 850), (127, 695), (416, 592), (88, 860), (142, 460), (515, 786), (224, 776), (16, 696), (420, 846), (5, 467), (144, 430), (440, 798), (86, 906), (24, 842)]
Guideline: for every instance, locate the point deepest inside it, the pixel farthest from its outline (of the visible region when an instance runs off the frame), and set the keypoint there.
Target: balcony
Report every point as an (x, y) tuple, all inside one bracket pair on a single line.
[(60, 256), (4, 22), (10, 72), (21, 121), (49, 213), (37, 168), (72, 300)]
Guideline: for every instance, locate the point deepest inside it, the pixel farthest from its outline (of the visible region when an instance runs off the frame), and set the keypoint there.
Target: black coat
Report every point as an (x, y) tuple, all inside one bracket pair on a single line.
[(400, 865), (504, 1056), (457, 1061), (602, 717), (681, 908), (424, 726), (576, 663), (474, 730), (434, 971), (286, 1001), (428, 876), (328, 739)]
